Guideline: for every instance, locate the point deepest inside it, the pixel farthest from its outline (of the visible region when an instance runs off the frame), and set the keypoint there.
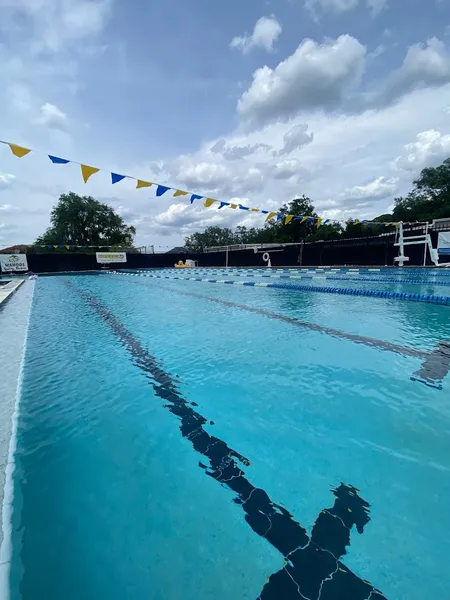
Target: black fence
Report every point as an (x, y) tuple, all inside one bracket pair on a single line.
[(371, 251)]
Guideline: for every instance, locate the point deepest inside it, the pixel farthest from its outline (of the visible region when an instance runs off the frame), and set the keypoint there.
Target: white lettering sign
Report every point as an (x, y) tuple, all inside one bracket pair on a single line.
[(13, 262), (444, 242), (111, 257)]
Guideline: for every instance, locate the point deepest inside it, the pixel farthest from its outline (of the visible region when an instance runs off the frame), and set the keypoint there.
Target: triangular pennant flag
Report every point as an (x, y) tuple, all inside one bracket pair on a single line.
[(254, 210), (68, 247), (43, 246), (243, 207), (55, 246), (195, 197), (19, 151), (162, 189), (58, 161), (87, 171), (310, 219), (288, 219), (279, 216), (49, 246), (270, 216), (115, 177), (180, 193), (325, 221), (140, 184), (303, 219), (232, 205), (319, 222), (61, 246), (264, 212), (209, 202), (222, 204)]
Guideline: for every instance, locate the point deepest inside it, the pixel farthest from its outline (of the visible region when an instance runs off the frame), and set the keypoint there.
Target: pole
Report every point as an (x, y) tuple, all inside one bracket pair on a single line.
[(425, 246), (226, 257)]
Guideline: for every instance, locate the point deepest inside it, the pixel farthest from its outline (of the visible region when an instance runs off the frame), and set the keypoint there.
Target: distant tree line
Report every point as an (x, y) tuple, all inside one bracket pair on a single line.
[(429, 199)]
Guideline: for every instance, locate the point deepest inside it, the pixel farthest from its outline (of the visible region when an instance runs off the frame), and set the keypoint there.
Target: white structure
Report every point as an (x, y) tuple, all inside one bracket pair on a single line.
[(425, 239)]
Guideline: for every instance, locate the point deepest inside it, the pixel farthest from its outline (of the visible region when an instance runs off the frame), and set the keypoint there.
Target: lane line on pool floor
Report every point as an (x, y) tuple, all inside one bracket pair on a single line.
[(406, 296), (311, 563), (432, 371)]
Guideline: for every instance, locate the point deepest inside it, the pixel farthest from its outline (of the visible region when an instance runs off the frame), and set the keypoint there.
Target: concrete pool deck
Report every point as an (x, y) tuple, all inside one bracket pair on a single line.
[(9, 288)]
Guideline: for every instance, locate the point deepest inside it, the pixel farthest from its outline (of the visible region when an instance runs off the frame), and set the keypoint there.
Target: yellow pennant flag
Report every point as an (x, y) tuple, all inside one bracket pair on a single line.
[(180, 193), (303, 219), (253, 210), (288, 219), (67, 247), (55, 246), (19, 151), (209, 202), (319, 222), (87, 171), (271, 215), (140, 184), (233, 205)]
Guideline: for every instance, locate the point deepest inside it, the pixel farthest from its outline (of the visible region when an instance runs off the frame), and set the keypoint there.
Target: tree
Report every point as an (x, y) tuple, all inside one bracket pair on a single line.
[(212, 236), (83, 221), (430, 198)]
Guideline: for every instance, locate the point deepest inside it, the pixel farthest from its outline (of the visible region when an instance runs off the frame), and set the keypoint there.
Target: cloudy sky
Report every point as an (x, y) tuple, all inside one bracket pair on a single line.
[(260, 101)]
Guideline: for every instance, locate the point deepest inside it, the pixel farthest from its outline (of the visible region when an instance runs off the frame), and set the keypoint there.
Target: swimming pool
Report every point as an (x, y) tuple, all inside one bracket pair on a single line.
[(183, 439)]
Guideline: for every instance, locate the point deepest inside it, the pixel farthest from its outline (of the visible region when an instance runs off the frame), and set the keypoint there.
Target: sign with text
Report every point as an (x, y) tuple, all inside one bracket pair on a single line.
[(111, 257), (13, 262), (444, 242)]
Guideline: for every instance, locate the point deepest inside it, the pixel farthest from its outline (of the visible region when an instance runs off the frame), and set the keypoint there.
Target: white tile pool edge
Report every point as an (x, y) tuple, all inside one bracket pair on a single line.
[(8, 489)]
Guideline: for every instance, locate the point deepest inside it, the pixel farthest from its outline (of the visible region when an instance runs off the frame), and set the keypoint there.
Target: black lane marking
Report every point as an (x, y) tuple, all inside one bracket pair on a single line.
[(432, 371), (310, 563)]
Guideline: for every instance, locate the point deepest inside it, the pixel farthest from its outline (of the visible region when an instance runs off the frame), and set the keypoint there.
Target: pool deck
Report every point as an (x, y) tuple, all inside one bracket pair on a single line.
[(9, 288)]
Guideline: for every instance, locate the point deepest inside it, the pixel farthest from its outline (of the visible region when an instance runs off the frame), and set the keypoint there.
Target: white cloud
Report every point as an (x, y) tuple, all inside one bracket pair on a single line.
[(265, 34), (55, 24), (425, 65), (378, 188), (341, 6), (429, 149), (315, 76), (295, 138), (52, 116), (287, 168), (237, 152), (6, 180)]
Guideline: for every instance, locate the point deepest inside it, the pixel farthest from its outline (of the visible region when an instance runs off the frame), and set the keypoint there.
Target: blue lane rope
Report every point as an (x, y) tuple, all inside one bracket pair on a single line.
[(429, 298), (338, 278)]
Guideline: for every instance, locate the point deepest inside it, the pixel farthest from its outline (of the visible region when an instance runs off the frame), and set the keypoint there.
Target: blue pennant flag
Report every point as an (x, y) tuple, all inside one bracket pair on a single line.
[(280, 216), (115, 177), (325, 221), (243, 207), (49, 246), (62, 246), (222, 204), (161, 189), (264, 212), (58, 161), (310, 220), (195, 197)]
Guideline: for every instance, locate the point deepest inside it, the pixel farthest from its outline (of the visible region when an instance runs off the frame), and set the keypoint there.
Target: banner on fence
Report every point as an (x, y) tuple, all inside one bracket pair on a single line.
[(13, 262), (444, 242), (111, 257)]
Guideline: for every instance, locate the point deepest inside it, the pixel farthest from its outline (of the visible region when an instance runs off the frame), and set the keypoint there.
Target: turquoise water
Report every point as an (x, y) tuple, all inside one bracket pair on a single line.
[(117, 496)]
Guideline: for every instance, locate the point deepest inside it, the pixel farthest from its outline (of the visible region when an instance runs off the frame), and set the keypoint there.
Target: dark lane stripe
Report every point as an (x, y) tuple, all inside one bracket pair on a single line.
[(433, 370), (336, 333), (311, 564)]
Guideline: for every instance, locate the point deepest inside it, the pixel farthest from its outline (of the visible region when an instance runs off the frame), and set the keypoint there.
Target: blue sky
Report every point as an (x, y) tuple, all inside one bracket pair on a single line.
[(343, 100)]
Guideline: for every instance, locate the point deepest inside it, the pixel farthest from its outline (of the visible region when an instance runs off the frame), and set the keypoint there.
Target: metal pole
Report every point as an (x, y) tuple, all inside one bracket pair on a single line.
[(425, 245), (226, 257)]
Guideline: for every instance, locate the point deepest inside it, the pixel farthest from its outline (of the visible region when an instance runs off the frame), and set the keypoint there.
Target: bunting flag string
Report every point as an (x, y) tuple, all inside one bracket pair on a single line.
[(87, 171)]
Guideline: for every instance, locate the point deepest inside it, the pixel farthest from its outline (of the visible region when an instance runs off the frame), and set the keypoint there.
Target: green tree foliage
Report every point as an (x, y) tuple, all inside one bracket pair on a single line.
[(82, 220)]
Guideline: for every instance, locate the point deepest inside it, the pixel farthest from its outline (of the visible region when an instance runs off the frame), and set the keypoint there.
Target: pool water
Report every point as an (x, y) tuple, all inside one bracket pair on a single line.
[(185, 440)]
